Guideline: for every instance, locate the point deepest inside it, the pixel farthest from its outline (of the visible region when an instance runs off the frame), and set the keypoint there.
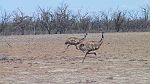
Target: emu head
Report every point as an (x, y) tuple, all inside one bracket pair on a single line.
[(85, 35)]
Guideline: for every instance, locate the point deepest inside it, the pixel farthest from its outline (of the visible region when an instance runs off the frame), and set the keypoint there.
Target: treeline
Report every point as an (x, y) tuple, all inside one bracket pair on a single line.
[(62, 20)]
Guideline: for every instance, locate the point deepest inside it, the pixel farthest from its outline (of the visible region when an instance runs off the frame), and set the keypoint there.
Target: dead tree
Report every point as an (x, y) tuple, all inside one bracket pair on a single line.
[(21, 21), (47, 19), (105, 20), (118, 18), (5, 17), (84, 22), (62, 18), (145, 20)]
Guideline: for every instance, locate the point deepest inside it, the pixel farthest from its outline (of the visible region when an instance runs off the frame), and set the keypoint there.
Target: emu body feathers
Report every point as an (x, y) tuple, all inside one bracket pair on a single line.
[(90, 46), (85, 46), (74, 41)]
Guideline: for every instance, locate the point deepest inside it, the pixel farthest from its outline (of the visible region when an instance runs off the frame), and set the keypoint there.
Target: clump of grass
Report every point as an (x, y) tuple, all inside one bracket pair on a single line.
[(4, 59)]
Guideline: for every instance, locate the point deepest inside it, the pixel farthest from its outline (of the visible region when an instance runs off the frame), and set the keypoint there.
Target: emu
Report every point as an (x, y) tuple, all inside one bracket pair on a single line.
[(90, 46), (74, 41)]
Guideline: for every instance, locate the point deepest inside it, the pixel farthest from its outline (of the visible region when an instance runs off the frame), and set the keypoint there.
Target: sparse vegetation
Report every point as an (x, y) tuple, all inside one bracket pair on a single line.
[(123, 58), (63, 20), (34, 59)]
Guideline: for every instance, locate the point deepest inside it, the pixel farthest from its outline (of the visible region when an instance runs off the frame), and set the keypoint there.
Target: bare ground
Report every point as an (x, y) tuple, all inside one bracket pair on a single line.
[(124, 58)]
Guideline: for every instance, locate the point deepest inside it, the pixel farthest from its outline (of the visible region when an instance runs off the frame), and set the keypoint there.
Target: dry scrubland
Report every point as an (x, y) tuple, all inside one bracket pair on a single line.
[(124, 58)]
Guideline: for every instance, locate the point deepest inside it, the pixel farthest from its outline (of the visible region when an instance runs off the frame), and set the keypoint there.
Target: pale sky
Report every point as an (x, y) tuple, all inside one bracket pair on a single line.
[(30, 6)]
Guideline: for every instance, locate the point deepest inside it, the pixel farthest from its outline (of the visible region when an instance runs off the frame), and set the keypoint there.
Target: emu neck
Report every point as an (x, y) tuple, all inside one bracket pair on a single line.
[(100, 42), (101, 38), (82, 38)]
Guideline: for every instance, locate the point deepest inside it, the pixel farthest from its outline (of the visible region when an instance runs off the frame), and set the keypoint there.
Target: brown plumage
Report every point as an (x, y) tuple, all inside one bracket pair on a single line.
[(74, 41), (89, 46)]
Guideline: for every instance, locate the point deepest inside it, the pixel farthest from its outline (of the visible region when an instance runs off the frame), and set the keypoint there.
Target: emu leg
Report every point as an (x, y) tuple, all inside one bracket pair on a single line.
[(66, 48), (85, 56), (76, 47), (92, 53)]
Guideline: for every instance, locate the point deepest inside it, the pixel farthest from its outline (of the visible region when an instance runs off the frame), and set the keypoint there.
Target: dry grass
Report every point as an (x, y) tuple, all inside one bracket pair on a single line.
[(124, 58)]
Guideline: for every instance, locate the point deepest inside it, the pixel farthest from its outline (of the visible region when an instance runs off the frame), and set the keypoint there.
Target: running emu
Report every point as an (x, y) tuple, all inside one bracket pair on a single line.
[(74, 41), (90, 46)]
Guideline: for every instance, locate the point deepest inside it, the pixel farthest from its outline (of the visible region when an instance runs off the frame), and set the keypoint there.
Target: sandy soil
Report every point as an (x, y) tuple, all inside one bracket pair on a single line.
[(124, 58)]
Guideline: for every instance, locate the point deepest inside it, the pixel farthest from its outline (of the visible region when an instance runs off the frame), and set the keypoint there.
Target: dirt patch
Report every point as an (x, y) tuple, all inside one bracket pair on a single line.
[(124, 58)]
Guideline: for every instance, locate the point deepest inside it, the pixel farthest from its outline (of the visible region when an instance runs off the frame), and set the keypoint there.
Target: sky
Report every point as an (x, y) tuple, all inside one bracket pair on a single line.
[(30, 6)]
